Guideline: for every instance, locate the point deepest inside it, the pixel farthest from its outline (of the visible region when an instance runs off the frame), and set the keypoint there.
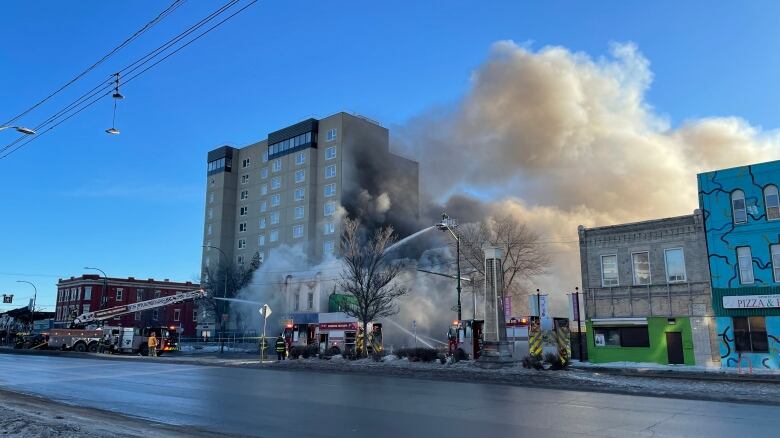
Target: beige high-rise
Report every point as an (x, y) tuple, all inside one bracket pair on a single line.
[(292, 187)]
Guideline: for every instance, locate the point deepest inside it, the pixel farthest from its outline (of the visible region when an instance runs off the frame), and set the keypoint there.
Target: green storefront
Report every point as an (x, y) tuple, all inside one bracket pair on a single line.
[(662, 340)]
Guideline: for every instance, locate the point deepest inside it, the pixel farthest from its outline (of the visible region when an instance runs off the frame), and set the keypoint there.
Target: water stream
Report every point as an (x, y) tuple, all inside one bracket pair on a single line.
[(237, 300), (419, 338), (408, 238)]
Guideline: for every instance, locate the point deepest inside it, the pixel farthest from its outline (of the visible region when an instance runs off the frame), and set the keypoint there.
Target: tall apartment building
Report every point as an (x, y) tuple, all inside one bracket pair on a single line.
[(291, 187)]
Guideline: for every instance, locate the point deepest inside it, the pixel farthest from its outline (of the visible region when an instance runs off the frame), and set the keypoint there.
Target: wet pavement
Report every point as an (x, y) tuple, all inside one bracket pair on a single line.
[(281, 403)]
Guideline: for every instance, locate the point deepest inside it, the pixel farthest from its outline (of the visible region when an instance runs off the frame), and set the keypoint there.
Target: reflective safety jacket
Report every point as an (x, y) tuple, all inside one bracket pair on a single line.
[(280, 345)]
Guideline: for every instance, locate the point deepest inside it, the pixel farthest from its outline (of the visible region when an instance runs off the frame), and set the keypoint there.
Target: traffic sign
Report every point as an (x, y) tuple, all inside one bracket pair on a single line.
[(8, 299), (265, 310)]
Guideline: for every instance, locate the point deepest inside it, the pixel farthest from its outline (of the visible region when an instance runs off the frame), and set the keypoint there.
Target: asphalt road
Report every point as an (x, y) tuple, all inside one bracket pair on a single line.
[(283, 403)]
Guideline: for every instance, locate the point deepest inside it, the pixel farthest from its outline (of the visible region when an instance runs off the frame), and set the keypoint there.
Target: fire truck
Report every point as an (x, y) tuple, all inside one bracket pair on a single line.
[(84, 335), (465, 338)]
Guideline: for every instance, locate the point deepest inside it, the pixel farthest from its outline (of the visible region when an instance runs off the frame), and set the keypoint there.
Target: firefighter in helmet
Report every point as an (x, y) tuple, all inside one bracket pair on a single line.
[(281, 347)]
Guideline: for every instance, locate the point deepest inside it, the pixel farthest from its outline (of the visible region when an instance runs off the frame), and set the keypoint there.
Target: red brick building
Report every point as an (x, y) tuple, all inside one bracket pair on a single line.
[(77, 295)]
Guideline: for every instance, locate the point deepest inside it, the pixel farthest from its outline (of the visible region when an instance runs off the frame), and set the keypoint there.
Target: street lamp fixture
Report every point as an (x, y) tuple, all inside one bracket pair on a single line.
[(22, 129), (112, 131), (447, 224), (104, 292)]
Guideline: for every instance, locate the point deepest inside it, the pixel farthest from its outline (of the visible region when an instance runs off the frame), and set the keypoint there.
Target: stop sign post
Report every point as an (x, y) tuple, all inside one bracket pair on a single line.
[(265, 311)]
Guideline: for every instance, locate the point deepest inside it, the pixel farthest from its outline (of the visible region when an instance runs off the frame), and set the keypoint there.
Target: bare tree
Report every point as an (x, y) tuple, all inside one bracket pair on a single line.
[(368, 274), (523, 256)]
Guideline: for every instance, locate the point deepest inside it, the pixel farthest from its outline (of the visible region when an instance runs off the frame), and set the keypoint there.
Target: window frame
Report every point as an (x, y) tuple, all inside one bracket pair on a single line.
[(740, 336), (649, 269), (302, 173), (325, 190), (733, 197), (750, 264), (328, 168), (296, 210), (766, 202), (297, 231), (332, 134), (666, 265), (176, 315), (274, 218), (328, 154), (273, 235), (241, 243), (325, 208), (300, 190), (775, 264), (617, 269), (120, 294), (276, 165), (276, 200), (300, 158), (242, 227)]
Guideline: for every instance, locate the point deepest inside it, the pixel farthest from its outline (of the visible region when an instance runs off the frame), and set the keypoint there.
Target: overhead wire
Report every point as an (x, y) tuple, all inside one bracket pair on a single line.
[(147, 59), (167, 11)]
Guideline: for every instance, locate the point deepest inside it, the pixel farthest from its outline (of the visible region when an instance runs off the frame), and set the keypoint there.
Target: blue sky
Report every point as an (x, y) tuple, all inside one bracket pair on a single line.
[(133, 204)]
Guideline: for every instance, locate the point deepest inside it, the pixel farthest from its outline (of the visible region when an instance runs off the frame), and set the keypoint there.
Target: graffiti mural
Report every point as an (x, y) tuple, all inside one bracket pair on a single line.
[(734, 207)]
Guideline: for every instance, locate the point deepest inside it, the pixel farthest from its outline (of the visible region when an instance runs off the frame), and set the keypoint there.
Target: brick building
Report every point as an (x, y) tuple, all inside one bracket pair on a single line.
[(77, 295), (647, 292)]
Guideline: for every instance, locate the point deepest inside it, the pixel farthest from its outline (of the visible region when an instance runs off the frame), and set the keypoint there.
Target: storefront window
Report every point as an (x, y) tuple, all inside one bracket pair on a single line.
[(621, 336), (750, 334)]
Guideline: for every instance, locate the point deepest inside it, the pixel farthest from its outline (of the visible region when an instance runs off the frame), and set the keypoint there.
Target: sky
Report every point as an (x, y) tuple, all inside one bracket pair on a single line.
[(133, 204)]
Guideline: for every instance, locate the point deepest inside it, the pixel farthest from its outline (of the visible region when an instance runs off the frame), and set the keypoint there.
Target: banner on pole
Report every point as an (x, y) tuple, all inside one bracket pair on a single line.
[(574, 307), (507, 308), (535, 301)]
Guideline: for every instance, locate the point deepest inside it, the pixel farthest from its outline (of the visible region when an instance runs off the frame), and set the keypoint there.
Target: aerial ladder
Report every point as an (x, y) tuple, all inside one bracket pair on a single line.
[(112, 312)]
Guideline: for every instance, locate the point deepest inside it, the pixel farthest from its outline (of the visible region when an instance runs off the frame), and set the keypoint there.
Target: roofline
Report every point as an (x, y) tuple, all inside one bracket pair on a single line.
[(645, 222), (737, 167), (94, 278)]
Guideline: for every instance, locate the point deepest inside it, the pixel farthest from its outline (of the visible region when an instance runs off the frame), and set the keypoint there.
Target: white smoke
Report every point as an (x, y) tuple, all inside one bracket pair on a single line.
[(558, 139)]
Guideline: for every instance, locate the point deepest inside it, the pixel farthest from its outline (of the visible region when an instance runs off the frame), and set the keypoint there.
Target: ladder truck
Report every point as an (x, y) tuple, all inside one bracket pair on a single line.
[(84, 335)]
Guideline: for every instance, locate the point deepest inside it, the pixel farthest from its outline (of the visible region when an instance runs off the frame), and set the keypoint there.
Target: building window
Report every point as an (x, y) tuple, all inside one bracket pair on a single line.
[(641, 265), (208, 230), (157, 293), (243, 210), (330, 208), (638, 336), (738, 207), (330, 153), (265, 156), (300, 175), (750, 334), (262, 223), (212, 182), (263, 206), (137, 316), (176, 315), (244, 179), (245, 163), (276, 166), (775, 249), (275, 200), (310, 301), (261, 240), (119, 293), (139, 295), (88, 292), (298, 231), (210, 213), (772, 203), (745, 260), (675, 265), (300, 158), (331, 134), (609, 270), (330, 228), (327, 247), (263, 189), (194, 316), (299, 211), (85, 309), (244, 194), (264, 173), (240, 260), (241, 243), (330, 171), (242, 227), (274, 217), (274, 236), (297, 301), (211, 198), (276, 183), (299, 194), (330, 190)]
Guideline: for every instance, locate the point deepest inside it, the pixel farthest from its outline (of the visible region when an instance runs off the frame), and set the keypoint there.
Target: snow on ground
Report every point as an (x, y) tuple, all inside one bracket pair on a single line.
[(645, 366)]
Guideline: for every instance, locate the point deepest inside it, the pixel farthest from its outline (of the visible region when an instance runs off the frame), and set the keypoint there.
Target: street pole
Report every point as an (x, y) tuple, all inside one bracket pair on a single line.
[(457, 250), (35, 299), (539, 305), (263, 345), (579, 330), (105, 286)]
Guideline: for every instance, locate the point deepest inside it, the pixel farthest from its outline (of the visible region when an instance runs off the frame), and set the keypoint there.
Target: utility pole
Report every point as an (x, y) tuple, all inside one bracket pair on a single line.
[(104, 292), (576, 309), (35, 299), (447, 224)]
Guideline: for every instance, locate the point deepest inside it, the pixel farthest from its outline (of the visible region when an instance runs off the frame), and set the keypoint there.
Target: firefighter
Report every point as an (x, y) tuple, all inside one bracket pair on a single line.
[(152, 344), (281, 347)]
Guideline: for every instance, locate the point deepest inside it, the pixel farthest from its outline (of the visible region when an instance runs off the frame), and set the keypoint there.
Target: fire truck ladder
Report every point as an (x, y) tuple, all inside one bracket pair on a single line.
[(103, 314)]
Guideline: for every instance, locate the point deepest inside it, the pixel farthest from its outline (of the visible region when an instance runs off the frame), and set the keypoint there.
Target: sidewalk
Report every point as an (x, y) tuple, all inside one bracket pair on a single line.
[(681, 371)]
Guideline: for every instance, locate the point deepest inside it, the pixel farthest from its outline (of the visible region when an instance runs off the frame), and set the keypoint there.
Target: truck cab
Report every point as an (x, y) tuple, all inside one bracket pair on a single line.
[(465, 338)]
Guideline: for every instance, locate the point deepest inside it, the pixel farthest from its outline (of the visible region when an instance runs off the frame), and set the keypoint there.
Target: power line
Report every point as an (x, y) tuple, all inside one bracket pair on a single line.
[(167, 11), (232, 2)]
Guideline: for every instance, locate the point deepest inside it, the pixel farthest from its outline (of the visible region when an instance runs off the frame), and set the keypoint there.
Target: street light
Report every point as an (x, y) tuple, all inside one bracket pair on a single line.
[(35, 299), (105, 286), (22, 129), (447, 224), (224, 295)]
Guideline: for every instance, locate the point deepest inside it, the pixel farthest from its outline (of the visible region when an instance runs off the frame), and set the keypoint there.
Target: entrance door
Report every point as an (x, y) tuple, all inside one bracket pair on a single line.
[(674, 348)]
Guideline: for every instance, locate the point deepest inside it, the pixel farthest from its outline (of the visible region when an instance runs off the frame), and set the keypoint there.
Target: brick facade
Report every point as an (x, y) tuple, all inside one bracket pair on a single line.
[(77, 295)]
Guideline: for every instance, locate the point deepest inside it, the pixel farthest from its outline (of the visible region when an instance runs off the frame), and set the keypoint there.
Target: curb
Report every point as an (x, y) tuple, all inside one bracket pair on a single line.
[(688, 375)]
